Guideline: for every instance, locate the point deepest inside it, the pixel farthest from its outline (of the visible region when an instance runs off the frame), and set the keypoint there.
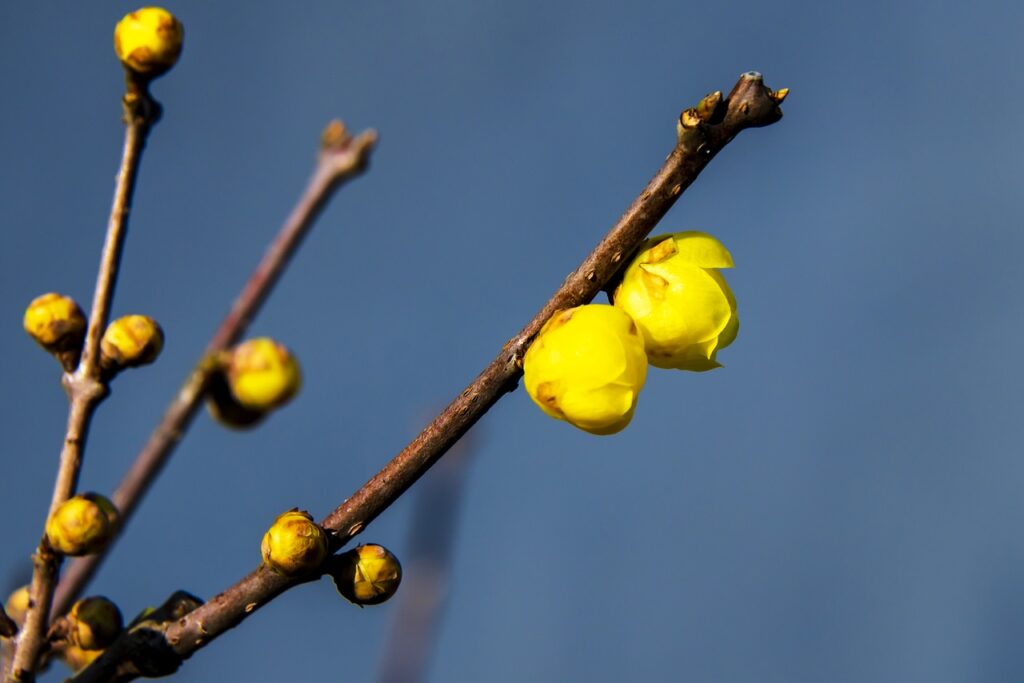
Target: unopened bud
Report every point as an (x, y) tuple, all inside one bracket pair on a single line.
[(148, 41), (294, 544), (94, 623), (56, 322), (82, 525), (131, 341), (366, 575)]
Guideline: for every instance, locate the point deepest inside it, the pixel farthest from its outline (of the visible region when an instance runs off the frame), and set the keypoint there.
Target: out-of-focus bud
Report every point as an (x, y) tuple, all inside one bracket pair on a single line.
[(94, 623), (17, 604), (263, 374), (148, 41), (681, 303), (129, 342), (294, 544), (587, 367), (366, 575), (57, 323), (82, 525), (77, 658)]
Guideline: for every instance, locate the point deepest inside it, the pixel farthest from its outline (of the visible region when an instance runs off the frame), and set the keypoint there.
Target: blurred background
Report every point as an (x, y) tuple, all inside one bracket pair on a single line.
[(842, 501)]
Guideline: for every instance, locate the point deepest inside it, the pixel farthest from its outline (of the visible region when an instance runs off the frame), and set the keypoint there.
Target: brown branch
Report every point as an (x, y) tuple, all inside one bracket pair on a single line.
[(85, 388), (341, 157), (704, 130)]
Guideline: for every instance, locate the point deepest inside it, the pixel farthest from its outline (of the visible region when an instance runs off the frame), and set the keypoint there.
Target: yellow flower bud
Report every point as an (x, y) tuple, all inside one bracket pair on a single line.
[(587, 367), (367, 575), (294, 544), (680, 301), (148, 41), (17, 604), (56, 322), (263, 374), (77, 658), (131, 341), (82, 525), (94, 623)]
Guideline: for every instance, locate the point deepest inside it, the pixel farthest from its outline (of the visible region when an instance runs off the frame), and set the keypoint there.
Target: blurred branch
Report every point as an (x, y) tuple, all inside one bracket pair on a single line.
[(703, 131), (427, 568), (85, 388), (341, 157)]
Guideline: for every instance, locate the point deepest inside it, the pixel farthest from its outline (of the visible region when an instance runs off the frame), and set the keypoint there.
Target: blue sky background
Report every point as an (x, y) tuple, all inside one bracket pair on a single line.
[(841, 502)]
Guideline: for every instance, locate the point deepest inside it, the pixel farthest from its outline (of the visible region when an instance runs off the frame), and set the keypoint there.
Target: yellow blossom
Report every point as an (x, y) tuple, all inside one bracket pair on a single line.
[(587, 367), (680, 301)]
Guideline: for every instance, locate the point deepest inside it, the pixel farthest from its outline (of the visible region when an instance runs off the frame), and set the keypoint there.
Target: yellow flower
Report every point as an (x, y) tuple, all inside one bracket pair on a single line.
[(367, 575), (680, 301), (148, 41), (82, 525), (294, 544), (263, 374), (587, 367)]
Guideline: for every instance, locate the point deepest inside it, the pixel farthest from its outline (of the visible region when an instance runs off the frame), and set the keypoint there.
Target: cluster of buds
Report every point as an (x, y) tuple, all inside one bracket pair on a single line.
[(253, 379), (295, 545), (82, 525), (672, 309)]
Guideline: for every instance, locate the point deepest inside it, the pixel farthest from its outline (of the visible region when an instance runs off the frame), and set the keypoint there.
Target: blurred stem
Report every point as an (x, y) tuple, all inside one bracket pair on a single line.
[(427, 566), (340, 158), (703, 132), (84, 386)]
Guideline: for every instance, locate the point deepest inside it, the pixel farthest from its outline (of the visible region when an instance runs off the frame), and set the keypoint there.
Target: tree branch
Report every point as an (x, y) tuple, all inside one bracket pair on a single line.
[(85, 387), (703, 132), (341, 157)]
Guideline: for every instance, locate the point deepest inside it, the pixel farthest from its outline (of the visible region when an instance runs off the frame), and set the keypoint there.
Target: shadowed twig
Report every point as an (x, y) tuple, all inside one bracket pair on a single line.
[(427, 566), (703, 132), (341, 157)]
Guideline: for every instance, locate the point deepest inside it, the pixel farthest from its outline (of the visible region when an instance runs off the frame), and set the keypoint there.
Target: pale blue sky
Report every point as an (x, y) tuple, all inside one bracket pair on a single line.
[(841, 502)]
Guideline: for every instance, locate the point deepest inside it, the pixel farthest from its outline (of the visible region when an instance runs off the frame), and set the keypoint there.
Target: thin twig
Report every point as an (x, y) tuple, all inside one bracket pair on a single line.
[(341, 157), (84, 386), (704, 131)]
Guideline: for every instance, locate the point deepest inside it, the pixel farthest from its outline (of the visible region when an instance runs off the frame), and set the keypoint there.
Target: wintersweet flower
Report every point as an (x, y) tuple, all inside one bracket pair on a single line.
[(679, 300), (587, 367)]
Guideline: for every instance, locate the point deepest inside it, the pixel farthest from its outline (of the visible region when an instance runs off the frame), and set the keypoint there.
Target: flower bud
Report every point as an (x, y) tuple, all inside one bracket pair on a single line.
[(148, 41), (77, 658), (262, 374), (82, 525), (56, 322), (17, 604), (366, 575), (129, 342), (94, 623), (587, 367), (679, 300), (294, 544)]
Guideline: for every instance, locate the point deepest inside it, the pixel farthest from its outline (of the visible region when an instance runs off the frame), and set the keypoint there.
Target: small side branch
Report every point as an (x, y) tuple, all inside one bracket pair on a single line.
[(704, 130), (341, 157)]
